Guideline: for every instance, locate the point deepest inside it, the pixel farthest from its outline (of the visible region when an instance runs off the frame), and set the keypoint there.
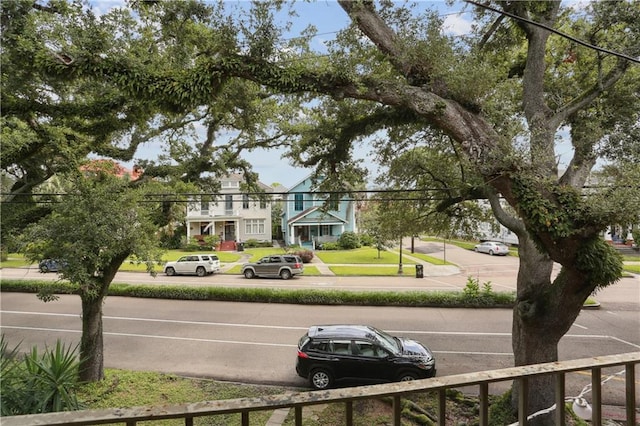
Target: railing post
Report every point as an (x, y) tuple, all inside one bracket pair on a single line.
[(629, 383), (348, 410), (596, 392), (442, 407), (297, 412), (397, 410), (484, 404), (245, 418), (523, 400), (188, 421), (560, 392)]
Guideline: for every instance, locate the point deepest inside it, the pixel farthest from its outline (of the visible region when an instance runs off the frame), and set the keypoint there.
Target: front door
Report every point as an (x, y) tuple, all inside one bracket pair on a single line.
[(229, 231)]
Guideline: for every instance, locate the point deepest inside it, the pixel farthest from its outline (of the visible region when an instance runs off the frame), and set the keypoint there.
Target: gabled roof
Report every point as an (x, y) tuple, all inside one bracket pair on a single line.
[(300, 182), (310, 210), (239, 177)]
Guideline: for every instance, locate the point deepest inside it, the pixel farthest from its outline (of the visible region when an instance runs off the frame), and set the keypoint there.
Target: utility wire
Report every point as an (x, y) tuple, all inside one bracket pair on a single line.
[(552, 30)]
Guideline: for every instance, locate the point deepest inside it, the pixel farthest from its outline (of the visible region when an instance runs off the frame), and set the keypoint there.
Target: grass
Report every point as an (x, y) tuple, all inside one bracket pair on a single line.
[(371, 270), (632, 268), (363, 255), (126, 389), (384, 263), (460, 299)]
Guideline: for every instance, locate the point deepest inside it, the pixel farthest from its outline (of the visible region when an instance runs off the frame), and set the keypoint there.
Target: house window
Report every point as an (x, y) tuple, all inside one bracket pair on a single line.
[(245, 201), (254, 226), (204, 207), (325, 230), (298, 204), (263, 203), (228, 202)]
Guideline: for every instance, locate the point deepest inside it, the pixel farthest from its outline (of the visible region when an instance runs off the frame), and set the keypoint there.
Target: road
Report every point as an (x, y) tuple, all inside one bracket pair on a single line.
[(257, 342)]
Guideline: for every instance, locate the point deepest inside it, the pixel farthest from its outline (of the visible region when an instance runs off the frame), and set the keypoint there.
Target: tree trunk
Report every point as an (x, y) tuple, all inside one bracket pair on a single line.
[(91, 344), (543, 313)]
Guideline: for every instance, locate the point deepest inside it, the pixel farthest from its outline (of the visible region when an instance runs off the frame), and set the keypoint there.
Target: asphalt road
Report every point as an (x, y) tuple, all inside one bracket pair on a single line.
[(257, 342)]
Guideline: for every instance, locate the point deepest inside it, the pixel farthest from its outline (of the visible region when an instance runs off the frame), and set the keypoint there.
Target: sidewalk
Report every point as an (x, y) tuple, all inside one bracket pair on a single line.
[(430, 270)]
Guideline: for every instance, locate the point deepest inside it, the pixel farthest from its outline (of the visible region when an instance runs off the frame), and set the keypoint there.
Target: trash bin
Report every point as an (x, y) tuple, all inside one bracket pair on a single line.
[(419, 271), (240, 246)]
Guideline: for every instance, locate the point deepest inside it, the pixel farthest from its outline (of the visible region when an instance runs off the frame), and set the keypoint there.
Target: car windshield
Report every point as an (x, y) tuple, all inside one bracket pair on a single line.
[(387, 341)]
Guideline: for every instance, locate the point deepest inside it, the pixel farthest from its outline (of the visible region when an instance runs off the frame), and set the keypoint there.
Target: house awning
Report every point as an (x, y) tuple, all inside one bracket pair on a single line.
[(315, 216)]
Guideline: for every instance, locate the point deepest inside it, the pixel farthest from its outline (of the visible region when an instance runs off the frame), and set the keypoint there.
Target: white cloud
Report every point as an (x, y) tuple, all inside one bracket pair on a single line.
[(456, 24)]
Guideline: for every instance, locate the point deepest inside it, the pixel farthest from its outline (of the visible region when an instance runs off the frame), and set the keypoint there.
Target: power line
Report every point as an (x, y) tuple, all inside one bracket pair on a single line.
[(553, 30)]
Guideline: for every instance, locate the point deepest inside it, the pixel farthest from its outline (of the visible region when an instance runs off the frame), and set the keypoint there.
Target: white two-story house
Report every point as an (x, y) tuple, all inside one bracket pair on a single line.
[(233, 216)]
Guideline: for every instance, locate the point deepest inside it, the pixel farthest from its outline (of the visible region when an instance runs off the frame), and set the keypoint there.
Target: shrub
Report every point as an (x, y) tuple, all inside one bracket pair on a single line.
[(472, 289), (253, 243), (349, 240), (305, 255), (330, 246), (367, 240), (39, 383)]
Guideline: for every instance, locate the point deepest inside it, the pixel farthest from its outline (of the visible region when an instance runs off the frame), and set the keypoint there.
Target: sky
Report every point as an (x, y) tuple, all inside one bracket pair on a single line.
[(329, 18)]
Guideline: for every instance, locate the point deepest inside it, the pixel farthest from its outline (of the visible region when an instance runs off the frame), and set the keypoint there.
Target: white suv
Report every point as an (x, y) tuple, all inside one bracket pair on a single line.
[(198, 264)]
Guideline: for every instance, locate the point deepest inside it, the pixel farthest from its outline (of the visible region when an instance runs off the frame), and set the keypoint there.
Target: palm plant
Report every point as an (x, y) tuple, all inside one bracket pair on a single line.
[(52, 378), (39, 383), (11, 385)]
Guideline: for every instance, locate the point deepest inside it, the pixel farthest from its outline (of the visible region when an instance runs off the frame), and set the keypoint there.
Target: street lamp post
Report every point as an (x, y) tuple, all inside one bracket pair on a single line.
[(400, 264)]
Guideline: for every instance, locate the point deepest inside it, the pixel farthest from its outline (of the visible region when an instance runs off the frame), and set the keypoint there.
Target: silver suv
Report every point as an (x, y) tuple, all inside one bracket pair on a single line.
[(284, 266), (193, 264)]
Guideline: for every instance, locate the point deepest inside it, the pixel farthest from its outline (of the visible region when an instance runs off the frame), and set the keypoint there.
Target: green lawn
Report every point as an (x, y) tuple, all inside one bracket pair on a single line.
[(363, 255), (384, 263), (632, 268), (372, 271)]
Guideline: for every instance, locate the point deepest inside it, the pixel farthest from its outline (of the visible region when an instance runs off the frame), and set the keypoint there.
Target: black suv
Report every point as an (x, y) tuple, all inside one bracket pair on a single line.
[(284, 266), (332, 352)]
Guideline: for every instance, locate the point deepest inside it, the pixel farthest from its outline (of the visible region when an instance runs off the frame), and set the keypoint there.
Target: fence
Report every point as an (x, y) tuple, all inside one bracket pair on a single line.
[(299, 400)]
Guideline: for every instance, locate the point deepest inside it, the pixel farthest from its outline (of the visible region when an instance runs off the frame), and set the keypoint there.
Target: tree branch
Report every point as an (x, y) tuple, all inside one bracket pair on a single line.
[(589, 96)]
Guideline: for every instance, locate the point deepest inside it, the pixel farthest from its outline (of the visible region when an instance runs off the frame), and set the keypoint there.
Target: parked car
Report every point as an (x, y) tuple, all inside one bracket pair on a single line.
[(328, 353), (216, 262), (51, 265), (283, 266), (198, 264), (492, 247)]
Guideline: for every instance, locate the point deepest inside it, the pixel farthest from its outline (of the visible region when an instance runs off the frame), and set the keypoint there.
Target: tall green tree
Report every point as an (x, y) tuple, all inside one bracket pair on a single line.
[(93, 228)]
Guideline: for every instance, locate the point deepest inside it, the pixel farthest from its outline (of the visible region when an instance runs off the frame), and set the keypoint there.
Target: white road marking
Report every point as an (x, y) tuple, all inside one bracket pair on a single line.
[(221, 324), (191, 339)]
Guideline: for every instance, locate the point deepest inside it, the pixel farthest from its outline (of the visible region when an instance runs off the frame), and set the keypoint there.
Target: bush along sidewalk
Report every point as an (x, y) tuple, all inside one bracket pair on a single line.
[(471, 296)]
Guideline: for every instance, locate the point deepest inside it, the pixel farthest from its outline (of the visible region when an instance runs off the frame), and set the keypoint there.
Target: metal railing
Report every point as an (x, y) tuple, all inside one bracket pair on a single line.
[(396, 391)]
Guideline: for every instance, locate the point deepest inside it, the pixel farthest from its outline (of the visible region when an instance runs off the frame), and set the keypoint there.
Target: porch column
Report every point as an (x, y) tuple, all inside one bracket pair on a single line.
[(291, 237)]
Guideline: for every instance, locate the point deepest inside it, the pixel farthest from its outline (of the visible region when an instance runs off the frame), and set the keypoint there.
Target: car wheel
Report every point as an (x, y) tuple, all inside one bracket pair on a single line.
[(248, 273), (407, 376), (170, 271), (321, 379), (476, 250), (490, 252), (285, 274), (200, 271), (44, 269)]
